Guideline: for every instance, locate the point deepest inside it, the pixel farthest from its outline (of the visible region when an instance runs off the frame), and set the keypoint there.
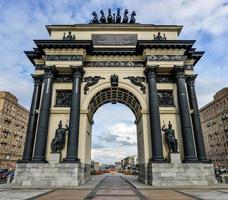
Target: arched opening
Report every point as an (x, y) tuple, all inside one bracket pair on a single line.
[(120, 136), (114, 137)]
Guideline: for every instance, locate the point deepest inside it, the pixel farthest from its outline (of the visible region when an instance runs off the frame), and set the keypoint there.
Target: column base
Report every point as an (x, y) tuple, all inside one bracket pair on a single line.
[(205, 161), (38, 160), (71, 160), (191, 161), (157, 160), (23, 161)]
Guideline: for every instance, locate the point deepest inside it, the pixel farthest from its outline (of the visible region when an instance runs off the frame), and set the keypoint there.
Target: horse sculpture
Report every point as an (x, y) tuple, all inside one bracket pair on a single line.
[(125, 18), (95, 18), (103, 18), (109, 18), (115, 18), (133, 14), (118, 16)]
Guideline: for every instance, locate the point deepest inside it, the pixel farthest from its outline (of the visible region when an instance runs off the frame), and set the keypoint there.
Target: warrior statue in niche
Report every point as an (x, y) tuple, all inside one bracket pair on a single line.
[(58, 141), (170, 138)]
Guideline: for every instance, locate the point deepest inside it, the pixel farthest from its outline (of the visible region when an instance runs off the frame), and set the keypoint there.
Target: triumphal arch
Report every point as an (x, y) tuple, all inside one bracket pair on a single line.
[(83, 66)]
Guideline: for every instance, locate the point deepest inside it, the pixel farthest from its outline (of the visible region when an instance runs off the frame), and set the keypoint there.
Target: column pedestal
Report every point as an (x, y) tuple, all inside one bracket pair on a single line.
[(55, 158)]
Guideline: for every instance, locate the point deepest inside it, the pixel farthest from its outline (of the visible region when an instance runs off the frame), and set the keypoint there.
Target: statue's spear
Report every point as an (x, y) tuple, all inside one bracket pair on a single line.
[(163, 122), (67, 123)]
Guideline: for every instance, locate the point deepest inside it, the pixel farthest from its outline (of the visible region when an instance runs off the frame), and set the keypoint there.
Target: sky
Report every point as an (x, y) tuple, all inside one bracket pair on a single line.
[(21, 21)]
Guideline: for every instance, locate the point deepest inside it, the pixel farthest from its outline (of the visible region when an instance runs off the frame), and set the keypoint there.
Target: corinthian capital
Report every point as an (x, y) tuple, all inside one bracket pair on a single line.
[(50, 71), (179, 71), (151, 71), (191, 79), (77, 71), (37, 79)]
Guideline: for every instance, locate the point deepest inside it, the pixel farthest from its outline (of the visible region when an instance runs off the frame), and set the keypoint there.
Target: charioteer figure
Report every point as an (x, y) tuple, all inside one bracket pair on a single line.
[(58, 141), (170, 138)]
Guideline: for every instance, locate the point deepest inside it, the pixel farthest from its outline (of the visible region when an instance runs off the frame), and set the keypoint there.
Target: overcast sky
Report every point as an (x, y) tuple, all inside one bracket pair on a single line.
[(22, 21)]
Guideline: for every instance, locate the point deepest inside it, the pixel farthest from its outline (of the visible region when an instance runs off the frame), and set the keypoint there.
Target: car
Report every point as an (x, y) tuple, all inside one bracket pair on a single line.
[(135, 172), (4, 173)]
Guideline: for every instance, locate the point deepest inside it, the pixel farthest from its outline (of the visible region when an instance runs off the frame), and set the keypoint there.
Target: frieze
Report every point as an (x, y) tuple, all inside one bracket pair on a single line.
[(63, 98), (165, 79), (91, 81), (63, 79), (114, 64), (39, 67), (138, 82), (165, 98), (189, 67), (64, 58), (166, 58)]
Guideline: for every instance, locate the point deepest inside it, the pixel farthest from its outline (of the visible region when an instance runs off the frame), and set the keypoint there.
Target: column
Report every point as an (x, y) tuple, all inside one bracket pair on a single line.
[(73, 135), (186, 126), (198, 134), (32, 122), (155, 127), (42, 130)]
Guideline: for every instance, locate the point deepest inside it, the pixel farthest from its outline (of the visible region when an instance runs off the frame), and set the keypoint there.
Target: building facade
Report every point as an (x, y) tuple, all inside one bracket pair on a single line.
[(13, 126), (144, 66), (130, 160), (214, 119)]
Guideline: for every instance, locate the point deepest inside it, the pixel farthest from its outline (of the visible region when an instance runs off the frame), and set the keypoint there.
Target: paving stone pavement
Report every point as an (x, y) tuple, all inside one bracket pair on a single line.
[(8, 194), (115, 187)]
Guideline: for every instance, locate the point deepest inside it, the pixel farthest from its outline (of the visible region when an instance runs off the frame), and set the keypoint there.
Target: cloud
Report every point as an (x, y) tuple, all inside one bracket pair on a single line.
[(98, 145), (114, 133)]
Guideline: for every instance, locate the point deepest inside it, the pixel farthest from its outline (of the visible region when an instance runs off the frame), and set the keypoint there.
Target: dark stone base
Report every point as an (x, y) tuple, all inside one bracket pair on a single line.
[(206, 161), (38, 160), (71, 160), (24, 161), (191, 161), (157, 160)]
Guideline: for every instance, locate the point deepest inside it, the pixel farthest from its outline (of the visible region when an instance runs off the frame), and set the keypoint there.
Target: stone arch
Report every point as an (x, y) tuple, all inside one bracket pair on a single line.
[(115, 95), (142, 98)]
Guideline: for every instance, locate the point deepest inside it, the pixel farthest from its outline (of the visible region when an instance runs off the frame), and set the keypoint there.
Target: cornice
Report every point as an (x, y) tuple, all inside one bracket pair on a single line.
[(118, 27), (87, 45)]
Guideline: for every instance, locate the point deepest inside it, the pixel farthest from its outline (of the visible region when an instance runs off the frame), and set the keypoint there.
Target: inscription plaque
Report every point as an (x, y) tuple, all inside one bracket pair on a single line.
[(114, 39)]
